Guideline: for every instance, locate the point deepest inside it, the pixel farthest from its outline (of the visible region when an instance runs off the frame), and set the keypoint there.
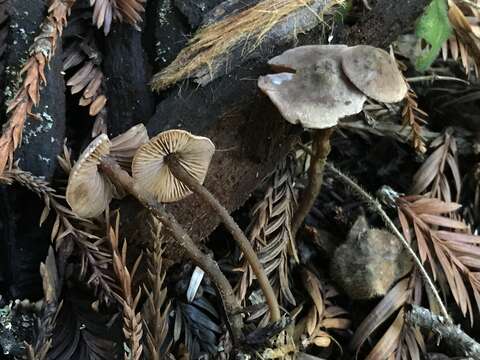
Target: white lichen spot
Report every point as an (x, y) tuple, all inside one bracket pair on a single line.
[(165, 9), (43, 158)]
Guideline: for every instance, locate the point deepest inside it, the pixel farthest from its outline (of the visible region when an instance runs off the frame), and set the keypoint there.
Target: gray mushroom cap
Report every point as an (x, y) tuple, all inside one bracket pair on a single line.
[(315, 96), (125, 145), (374, 72), (305, 56), (150, 171), (88, 191)]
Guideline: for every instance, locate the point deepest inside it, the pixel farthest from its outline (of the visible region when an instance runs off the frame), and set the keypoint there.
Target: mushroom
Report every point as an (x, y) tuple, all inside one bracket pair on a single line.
[(89, 191), (172, 166), (95, 179), (375, 73), (125, 145), (324, 84)]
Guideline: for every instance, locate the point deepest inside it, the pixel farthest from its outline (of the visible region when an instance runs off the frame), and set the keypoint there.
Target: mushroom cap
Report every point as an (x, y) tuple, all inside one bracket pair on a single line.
[(151, 173), (88, 191), (125, 145), (374, 72), (316, 96), (304, 56)]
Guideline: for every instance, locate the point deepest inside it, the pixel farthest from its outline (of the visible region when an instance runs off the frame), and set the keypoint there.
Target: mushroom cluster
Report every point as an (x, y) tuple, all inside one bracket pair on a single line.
[(317, 85), (166, 168)]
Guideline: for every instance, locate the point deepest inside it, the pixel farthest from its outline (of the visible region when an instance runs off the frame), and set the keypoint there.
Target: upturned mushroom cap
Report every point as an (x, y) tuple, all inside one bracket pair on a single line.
[(151, 174), (316, 96), (305, 56), (125, 145), (88, 191), (374, 72)]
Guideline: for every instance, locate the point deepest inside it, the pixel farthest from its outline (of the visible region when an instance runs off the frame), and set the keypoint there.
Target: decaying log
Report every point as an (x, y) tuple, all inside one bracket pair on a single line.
[(382, 25), (127, 70), (249, 133), (195, 10), (459, 342), (22, 244), (42, 137)]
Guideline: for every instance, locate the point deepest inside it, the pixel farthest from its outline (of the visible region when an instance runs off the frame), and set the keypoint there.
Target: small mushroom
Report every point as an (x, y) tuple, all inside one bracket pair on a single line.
[(375, 73), (124, 146), (328, 82), (172, 166), (92, 185), (89, 192), (316, 96), (152, 177)]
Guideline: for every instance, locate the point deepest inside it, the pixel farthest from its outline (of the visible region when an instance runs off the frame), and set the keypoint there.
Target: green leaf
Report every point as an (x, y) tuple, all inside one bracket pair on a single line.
[(435, 29)]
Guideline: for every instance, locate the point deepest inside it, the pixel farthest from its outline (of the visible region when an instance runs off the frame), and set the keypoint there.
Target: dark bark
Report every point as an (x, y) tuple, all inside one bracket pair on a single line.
[(382, 25), (126, 68), (195, 10), (24, 245), (43, 137)]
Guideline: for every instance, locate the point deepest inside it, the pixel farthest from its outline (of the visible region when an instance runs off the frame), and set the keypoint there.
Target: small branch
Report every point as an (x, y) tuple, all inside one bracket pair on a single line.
[(460, 342), (321, 149), (236, 232), (375, 205), (435, 77), (232, 307)]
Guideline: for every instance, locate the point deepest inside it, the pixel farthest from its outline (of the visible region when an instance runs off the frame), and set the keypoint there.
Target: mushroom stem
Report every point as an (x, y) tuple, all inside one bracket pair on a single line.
[(179, 172), (232, 307), (320, 151)]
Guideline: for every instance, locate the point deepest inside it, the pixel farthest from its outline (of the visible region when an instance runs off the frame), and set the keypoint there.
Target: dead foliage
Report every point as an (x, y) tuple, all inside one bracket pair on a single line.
[(197, 326), (95, 257), (439, 170), (464, 45), (445, 245), (271, 235), (83, 57), (107, 11), (156, 308), (399, 340), (51, 306), (33, 72), (128, 298), (323, 316), (414, 118)]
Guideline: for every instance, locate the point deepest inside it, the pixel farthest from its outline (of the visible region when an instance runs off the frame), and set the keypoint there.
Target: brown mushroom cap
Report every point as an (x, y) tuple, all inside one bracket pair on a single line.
[(88, 191), (316, 96), (125, 145), (151, 173), (374, 72), (305, 56)]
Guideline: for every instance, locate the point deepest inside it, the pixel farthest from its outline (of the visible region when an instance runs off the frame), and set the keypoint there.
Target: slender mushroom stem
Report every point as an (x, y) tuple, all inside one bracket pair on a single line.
[(179, 172), (232, 307), (320, 151)]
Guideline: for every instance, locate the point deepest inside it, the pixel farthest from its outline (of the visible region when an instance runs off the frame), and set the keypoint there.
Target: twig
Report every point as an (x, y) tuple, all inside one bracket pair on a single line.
[(237, 233), (232, 307), (435, 77), (452, 334), (375, 205)]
